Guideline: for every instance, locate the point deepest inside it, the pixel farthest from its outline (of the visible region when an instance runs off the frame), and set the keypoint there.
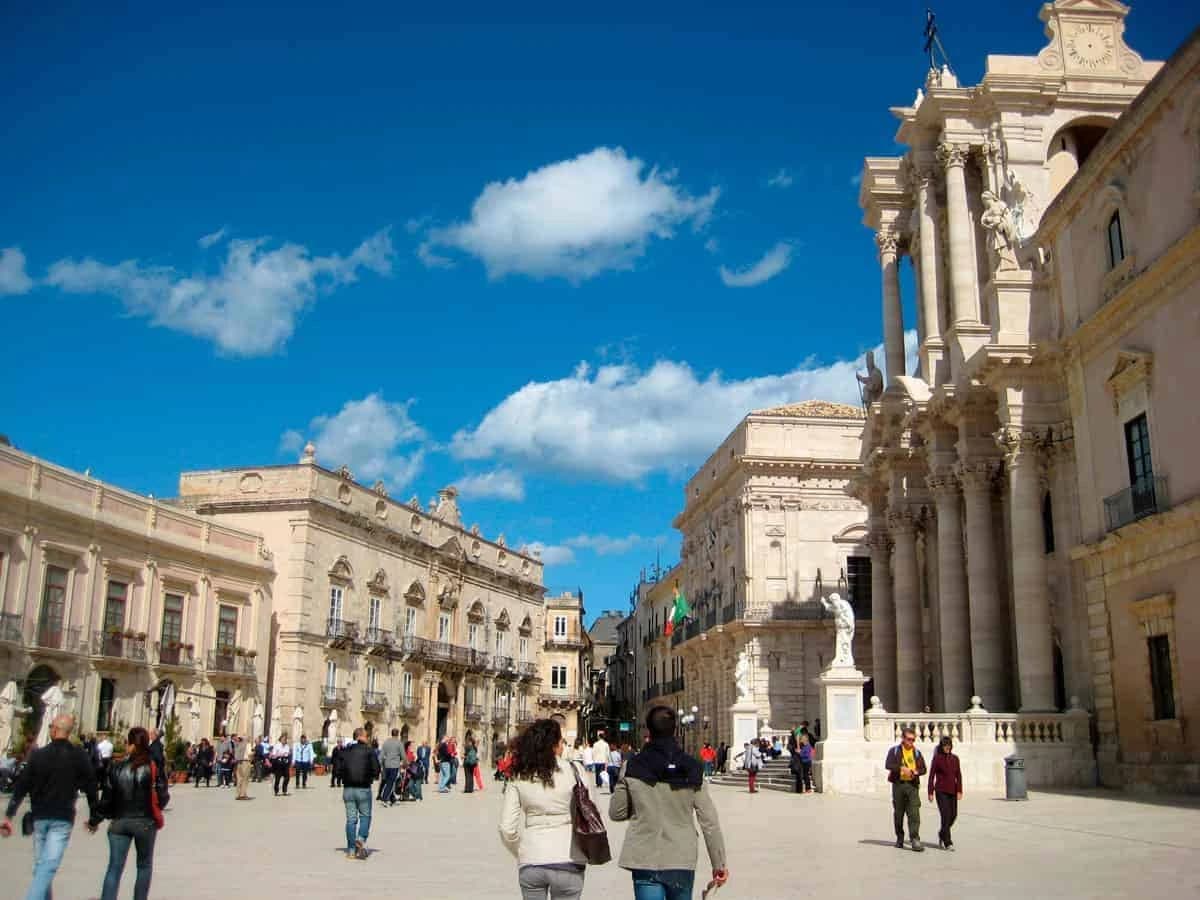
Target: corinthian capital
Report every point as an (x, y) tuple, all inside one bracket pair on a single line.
[(1022, 446), (901, 521), (950, 154), (888, 241), (943, 483), (977, 474)]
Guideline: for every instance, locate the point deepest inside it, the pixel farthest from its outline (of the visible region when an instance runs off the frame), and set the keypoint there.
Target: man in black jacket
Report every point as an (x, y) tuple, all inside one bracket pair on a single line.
[(359, 769), (54, 776)]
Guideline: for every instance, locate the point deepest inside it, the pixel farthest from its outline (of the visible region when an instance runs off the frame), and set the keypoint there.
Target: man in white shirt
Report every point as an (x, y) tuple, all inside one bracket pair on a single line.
[(302, 759), (600, 751), (104, 750)]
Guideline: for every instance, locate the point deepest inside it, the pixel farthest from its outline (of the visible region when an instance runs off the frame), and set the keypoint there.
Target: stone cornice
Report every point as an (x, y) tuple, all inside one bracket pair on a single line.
[(1144, 546)]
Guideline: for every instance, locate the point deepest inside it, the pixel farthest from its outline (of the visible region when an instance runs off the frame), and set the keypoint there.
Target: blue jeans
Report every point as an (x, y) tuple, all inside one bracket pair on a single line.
[(387, 788), (444, 779), (50, 838), (358, 815), (668, 884), (121, 833)]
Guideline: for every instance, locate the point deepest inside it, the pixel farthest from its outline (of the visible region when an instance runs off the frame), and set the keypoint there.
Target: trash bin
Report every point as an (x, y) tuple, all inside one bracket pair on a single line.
[(1014, 778)]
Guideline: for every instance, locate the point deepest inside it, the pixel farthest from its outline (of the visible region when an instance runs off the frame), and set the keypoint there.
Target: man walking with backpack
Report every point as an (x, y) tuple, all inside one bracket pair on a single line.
[(905, 766), (661, 792), (53, 777)]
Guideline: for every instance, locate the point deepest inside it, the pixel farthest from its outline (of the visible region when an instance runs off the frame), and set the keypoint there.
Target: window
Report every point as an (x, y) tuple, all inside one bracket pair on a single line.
[(373, 609), (444, 628), (558, 678), (560, 626), (114, 606), (501, 643), (410, 621), (1116, 241), (335, 604), (172, 621), (858, 585), (1161, 684), (1141, 466), (473, 635), (330, 676), (406, 687), (523, 649), (104, 709), (54, 607), (227, 628), (220, 710), (1048, 523), (370, 679)]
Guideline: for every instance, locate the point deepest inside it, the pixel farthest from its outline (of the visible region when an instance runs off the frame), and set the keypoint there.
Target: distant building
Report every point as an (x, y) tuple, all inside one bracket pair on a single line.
[(566, 692)]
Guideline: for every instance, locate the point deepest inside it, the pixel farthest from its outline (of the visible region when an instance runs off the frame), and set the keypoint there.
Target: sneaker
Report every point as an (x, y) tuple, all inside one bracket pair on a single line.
[(360, 850), (917, 846), (899, 843)]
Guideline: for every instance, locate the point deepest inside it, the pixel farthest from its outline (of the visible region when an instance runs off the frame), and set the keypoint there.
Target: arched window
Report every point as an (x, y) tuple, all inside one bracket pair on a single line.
[(1116, 240)]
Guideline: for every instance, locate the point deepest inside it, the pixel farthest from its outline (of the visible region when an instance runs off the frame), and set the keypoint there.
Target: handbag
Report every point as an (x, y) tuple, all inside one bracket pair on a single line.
[(587, 825)]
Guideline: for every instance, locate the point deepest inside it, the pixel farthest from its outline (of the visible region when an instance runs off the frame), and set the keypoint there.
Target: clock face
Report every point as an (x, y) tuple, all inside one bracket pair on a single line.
[(1090, 46)]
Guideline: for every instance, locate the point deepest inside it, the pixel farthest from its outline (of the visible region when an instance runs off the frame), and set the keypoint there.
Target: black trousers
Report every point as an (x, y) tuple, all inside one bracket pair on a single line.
[(948, 809), (281, 773), (302, 774), (469, 777)]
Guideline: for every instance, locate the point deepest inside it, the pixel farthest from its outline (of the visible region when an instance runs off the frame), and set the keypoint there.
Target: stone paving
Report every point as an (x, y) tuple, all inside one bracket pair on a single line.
[(1068, 845)]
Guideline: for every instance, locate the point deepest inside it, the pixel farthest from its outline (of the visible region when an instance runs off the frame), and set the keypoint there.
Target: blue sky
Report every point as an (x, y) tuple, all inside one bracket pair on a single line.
[(552, 261)]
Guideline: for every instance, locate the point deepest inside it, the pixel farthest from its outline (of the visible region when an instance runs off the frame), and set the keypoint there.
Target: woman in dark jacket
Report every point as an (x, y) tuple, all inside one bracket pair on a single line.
[(132, 796), (205, 756), (945, 780)]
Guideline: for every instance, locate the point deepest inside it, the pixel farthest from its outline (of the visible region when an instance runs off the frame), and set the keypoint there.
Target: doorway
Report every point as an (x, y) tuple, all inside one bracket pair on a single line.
[(443, 711)]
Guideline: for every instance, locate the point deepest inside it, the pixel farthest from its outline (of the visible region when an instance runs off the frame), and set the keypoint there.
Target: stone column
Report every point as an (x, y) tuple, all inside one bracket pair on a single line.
[(893, 316), (930, 266), (988, 639), (954, 624), (883, 619), (1031, 596), (910, 660), (964, 297)]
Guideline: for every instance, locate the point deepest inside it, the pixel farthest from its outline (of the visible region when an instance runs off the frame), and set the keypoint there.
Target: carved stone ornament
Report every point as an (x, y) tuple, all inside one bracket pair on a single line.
[(901, 521), (380, 489), (950, 154), (943, 483), (888, 242), (978, 474), (997, 220), (344, 473)]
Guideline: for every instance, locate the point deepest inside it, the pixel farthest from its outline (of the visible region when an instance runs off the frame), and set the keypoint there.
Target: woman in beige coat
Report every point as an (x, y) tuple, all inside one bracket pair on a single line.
[(535, 820)]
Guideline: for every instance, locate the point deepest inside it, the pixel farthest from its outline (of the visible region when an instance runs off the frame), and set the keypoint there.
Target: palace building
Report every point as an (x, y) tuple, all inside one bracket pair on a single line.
[(1034, 528)]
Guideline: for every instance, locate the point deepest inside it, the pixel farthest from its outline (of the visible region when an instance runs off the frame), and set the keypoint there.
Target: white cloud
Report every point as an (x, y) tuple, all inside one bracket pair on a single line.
[(773, 262), (13, 278), (603, 545), (248, 308), (367, 435), (782, 179), (551, 554), (712, 245), (621, 423), (575, 218), (291, 441), (501, 484), (431, 259), (209, 239)]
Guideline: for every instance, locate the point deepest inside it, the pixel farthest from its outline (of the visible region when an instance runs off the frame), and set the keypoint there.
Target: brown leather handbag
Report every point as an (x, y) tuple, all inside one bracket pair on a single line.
[(587, 825)]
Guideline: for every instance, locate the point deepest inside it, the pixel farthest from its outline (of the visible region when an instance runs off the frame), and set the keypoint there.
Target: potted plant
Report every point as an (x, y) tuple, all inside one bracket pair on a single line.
[(239, 651), (141, 635), (250, 654), (130, 633)]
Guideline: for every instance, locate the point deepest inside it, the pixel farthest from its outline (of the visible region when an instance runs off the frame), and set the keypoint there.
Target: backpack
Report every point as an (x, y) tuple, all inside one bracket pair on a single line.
[(472, 757)]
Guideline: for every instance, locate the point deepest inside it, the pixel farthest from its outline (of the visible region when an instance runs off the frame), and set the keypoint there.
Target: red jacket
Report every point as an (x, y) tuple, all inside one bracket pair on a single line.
[(945, 775)]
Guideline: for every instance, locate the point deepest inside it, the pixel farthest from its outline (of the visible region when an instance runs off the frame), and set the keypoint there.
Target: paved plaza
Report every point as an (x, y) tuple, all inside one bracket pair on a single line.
[(780, 846)]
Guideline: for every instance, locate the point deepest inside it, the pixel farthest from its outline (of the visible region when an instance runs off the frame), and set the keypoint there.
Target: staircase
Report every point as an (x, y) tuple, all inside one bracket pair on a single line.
[(773, 776)]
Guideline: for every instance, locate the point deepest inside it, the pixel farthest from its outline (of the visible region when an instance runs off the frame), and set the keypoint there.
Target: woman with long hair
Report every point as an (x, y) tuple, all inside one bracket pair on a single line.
[(535, 820), (132, 796), (470, 764), (205, 756)]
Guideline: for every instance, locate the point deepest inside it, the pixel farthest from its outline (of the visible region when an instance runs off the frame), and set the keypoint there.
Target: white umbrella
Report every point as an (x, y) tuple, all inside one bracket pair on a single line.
[(52, 701), (8, 709), (259, 714), (232, 712), (297, 723), (166, 707), (331, 731), (276, 722), (194, 719)]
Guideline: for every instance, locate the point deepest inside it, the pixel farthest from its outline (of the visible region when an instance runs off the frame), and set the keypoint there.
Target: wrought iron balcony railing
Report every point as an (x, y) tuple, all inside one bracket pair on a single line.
[(229, 661), (380, 637), (173, 653), (1144, 498), (333, 696), (524, 717), (118, 645), (374, 700), (339, 631), (408, 706), (500, 714), (473, 712), (55, 637)]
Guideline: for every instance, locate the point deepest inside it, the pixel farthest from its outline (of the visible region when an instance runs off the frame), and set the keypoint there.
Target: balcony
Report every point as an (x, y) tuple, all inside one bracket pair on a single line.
[(380, 640), (499, 714), (477, 660), (332, 697), (527, 670), (677, 637), (710, 619), (408, 707), (564, 642), (504, 666), (174, 654), (473, 712), (374, 700), (58, 639), (10, 628), (340, 633), (119, 645), (562, 699), (1145, 498), (524, 717), (228, 661), (691, 629)]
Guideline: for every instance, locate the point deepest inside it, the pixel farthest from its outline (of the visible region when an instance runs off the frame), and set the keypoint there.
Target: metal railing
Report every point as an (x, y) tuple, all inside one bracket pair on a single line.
[(524, 717), (374, 700), (503, 664), (230, 662), (473, 712), (379, 637), (334, 696), (710, 619), (341, 630), (562, 698), (174, 654), (10, 627), (527, 669), (50, 637), (1145, 498), (567, 641), (408, 706), (500, 713), (117, 645)]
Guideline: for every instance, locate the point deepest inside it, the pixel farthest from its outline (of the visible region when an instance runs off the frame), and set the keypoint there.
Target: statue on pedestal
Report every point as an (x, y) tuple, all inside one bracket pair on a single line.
[(193, 719), (741, 677), (331, 730), (1002, 239), (8, 709), (843, 621), (872, 382), (52, 704)]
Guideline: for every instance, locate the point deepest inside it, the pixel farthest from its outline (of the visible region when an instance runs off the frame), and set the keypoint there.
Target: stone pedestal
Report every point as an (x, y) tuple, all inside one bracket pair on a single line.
[(744, 725), (843, 761)]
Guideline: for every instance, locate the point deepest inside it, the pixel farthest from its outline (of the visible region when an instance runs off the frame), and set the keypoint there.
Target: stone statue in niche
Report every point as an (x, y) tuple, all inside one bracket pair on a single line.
[(741, 677), (872, 382), (843, 621), (1002, 232)]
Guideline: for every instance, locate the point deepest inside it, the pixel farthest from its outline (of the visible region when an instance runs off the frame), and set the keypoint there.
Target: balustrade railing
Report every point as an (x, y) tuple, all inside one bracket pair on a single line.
[(473, 712), (51, 637), (374, 700), (231, 662), (117, 645), (174, 653)]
